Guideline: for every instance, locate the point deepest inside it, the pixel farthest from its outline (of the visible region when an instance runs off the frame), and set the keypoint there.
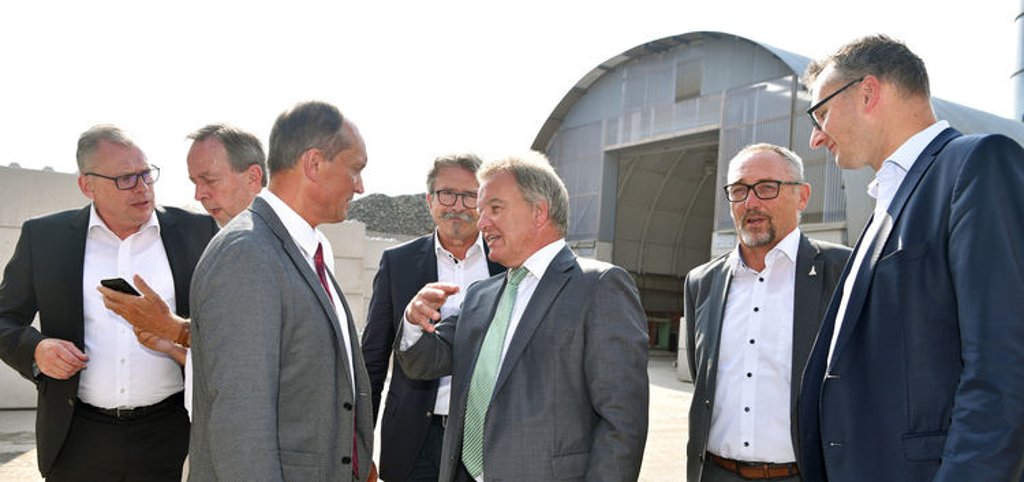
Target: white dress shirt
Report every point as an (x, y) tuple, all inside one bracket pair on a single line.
[(307, 238), (463, 273), (121, 372), (883, 188), (751, 418)]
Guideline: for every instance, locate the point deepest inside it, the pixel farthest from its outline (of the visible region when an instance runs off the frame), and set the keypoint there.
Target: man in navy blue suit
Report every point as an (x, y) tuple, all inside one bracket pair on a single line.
[(918, 371)]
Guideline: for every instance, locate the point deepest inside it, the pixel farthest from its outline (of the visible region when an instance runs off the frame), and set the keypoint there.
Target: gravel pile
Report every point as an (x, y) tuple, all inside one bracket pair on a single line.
[(406, 214)]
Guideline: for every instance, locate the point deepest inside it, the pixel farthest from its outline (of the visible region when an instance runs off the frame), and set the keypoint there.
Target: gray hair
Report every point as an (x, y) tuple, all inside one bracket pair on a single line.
[(878, 55), (244, 149), (794, 165), (89, 141), (537, 181), (468, 161), (308, 125)]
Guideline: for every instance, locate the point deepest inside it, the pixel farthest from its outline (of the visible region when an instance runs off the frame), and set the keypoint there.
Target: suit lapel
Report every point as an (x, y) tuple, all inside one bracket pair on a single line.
[(75, 257), (427, 263), (875, 246), (721, 279), (264, 211), (173, 245), (550, 285), (807, 291), (471, 335)]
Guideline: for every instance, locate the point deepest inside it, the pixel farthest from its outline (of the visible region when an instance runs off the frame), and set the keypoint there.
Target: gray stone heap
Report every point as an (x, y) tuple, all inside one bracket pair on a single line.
[(405, 215)]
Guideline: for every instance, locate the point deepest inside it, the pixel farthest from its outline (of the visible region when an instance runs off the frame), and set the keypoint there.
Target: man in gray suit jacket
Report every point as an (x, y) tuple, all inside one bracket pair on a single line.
[(751, 319), (548, 362), (280, 388)]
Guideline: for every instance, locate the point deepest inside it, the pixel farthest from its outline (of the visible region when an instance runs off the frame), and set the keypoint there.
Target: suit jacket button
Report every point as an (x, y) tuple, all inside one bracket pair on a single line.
[(348, 406), (71, 402), (346, 460)]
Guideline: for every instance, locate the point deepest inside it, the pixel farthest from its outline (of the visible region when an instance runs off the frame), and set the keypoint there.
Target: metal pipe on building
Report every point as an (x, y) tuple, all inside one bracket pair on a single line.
[(1018, 74)]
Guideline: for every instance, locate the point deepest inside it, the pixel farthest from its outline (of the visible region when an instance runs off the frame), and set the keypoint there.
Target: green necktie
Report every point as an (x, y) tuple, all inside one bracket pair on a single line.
[(481, 386)]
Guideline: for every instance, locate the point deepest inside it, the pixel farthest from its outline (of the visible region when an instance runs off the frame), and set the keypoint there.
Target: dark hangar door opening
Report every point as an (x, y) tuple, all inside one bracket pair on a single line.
[(664, 216)]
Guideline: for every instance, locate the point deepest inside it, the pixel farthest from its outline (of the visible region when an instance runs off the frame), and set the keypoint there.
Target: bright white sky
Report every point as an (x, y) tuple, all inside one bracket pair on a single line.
[(419, 78)]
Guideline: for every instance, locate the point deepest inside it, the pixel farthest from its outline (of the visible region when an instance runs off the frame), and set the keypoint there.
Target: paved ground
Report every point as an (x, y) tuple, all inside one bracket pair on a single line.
[(664, 458)]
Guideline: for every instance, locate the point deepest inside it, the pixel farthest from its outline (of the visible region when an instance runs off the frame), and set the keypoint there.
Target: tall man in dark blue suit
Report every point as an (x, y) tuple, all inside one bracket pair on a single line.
[(917, 372), (416, 411)]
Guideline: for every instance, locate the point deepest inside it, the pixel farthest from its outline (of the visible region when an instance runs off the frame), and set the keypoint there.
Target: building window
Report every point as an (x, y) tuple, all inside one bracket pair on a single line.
[(688, 77)]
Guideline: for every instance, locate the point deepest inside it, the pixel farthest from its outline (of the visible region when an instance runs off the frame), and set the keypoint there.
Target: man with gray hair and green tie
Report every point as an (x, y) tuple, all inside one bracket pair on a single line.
[(548, 361)]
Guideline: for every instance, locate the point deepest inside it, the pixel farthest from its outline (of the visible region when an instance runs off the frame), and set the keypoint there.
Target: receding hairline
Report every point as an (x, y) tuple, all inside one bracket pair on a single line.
[(791, 161)]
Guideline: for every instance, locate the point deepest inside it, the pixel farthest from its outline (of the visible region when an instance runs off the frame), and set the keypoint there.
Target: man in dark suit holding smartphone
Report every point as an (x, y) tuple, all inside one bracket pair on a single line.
[(101, 394)]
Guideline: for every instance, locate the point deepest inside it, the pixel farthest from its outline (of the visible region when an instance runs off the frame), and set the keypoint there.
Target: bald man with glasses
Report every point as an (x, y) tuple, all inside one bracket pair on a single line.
[(751, 318)]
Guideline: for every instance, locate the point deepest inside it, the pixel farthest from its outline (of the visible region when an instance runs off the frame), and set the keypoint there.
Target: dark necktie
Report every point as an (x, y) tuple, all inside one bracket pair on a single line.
[(321, 272)]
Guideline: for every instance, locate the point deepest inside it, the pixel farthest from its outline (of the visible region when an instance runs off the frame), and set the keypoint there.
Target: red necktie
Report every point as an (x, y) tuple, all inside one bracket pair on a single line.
[(321, 272)]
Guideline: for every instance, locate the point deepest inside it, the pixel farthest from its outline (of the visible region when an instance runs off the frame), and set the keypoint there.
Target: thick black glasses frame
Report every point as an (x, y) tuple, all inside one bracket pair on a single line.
[(149, 176), (448, 197), (810, 112), (754, 188)]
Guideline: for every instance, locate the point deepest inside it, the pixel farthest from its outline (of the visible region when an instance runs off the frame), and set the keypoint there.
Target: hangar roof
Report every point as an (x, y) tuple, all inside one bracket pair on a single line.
[(968, 120)]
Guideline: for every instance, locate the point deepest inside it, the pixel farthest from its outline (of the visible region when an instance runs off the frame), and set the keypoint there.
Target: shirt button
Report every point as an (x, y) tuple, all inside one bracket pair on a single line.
[(751, 341), (756, 309), (746, 444), (122, 390), (746, 409), (761, 279), (346, 460), (749, 374)]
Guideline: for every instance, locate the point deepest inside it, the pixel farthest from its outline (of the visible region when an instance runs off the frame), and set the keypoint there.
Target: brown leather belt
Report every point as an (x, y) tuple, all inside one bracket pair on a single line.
[(755, 470)]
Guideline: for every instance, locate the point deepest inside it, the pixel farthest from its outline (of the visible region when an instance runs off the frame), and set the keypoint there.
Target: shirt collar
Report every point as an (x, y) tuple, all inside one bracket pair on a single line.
[(477, 247), (895, 168), (304, 235), (95, 221), (788, 247), (538, 262)]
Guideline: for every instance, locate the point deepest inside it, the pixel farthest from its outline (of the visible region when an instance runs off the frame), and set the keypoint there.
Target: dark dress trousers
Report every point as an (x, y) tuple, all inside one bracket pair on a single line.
[(927, 379), (45, 275), (404, 269), (705, 293)]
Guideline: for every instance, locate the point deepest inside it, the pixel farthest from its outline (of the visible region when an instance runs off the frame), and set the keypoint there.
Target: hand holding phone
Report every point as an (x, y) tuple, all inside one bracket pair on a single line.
[(119, 284)]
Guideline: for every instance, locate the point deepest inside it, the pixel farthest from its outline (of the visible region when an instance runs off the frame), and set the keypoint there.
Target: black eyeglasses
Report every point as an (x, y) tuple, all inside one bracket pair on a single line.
[(810, 112), (737, 192), (129, 181), (448, 197)]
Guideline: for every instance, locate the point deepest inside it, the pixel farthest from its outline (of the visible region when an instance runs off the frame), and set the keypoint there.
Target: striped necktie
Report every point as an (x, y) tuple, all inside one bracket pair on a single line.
[(481, 385)]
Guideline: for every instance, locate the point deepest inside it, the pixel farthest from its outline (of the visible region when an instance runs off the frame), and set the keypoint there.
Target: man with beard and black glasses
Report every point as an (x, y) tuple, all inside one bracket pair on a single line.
[(751, 319)]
